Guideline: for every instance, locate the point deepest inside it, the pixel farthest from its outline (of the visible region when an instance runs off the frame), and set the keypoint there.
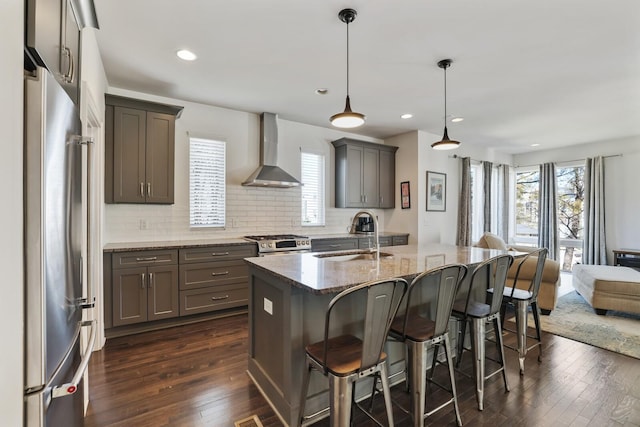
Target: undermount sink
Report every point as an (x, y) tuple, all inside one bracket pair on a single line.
[(352, 256)]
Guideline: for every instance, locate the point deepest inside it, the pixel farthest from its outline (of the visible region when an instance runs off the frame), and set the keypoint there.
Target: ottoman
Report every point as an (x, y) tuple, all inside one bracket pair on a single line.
[(607, 287)]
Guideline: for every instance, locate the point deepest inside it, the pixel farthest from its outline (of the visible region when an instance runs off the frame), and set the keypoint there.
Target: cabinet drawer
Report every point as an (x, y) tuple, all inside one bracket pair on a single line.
[(400, 240), (217, 253), (144, 258), (213, 273), (369, 242), (202, 300), (334, 244)]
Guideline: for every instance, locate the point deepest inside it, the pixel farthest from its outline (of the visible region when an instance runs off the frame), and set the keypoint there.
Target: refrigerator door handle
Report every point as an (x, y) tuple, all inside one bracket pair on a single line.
[(90, 300), (70, 388)]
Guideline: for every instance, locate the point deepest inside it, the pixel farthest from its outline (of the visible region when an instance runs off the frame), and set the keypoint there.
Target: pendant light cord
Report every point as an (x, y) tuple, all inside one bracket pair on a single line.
[(347, 58), (445, 97)]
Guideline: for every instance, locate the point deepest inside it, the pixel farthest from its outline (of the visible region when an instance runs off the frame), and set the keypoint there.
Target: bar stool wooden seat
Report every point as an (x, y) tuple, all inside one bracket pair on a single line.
[(346, 358), (424, 324), (520, 300), (490, 274)]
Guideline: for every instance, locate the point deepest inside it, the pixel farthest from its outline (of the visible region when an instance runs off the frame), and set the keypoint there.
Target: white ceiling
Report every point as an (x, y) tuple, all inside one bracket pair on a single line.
[(551, 72)]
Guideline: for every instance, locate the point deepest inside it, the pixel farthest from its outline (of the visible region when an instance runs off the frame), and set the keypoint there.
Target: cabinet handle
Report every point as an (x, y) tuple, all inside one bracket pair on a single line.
[(148, 189), (142, 189), (68, 76), (219, 298), (150, 280), (219, 253), (151, 258), (335, 246), (223, 273), (143, 276), (381, 200)]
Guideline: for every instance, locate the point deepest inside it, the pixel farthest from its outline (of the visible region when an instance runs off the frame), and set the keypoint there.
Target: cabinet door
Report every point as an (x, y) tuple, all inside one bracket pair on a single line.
[(160, 157), (43, 32), (370, 185), (162, 292), (355, 165), (129, 296), (387, 179), (129, 134), (70, 52)]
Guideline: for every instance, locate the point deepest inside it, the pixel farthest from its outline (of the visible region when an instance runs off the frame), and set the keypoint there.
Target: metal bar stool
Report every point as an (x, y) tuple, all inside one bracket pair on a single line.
[(344, 359), (423, 324), (520, 299), (490, 274)]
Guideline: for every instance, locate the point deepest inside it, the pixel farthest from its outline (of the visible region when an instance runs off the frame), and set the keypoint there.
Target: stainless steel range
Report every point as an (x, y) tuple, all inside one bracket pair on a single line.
[(281, 243)]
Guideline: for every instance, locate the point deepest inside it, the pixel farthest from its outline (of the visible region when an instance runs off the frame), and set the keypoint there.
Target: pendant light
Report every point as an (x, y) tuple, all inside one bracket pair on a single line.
[(445, 143), (348, 118)]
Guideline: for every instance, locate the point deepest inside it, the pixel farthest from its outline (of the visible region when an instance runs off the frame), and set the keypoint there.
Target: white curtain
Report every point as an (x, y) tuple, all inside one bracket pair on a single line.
[(548, 215), (464, 209), (594, 249)]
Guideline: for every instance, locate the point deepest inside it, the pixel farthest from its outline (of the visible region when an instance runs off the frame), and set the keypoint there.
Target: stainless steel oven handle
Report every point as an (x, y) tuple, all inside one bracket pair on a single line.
[(71, 387)]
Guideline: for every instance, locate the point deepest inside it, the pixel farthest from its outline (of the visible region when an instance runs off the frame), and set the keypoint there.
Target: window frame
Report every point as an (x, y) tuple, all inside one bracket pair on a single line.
[(320, 188)]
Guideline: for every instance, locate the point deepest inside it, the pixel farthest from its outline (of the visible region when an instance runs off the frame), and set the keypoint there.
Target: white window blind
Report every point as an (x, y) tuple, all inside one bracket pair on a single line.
[(207, 183), (313, 188)]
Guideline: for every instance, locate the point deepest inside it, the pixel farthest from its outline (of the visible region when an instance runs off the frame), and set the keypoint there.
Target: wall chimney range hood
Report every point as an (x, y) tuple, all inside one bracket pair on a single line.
[(268, 174)]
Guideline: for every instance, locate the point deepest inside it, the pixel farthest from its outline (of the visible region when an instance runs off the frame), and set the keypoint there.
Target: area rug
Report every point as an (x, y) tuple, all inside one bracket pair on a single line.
[(574, 318)]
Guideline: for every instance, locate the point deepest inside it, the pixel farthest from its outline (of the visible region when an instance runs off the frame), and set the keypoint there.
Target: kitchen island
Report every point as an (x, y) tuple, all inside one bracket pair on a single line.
[(288, 296)]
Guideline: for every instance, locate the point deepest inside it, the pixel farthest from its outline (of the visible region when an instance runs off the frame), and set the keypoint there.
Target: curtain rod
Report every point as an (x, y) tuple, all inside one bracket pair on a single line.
[(455, 156), (566, 161)]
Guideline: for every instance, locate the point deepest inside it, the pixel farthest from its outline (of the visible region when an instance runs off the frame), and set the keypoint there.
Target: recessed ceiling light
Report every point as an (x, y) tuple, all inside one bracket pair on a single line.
[(406, 116), (322, 91), (186, 55), (457, 119), (535, 145)]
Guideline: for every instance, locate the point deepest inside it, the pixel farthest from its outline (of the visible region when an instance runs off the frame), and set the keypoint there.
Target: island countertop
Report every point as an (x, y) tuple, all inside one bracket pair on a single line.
[(319, 273)]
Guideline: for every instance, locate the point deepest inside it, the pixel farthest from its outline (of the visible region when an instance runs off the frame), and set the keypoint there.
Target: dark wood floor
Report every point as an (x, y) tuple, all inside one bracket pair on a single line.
[(195, 375)]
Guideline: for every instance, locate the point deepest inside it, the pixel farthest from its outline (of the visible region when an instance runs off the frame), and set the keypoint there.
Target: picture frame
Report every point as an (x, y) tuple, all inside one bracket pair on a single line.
[(436, 191), (405, 195)]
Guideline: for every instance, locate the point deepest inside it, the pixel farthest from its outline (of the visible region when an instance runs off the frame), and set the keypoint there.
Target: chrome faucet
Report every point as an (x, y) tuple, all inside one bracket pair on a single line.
[(375, 225)]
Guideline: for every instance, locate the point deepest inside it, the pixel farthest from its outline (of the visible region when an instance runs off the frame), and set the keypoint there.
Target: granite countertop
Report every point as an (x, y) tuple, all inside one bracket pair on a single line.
[(173, 244), (319, 274), (181, 244), (346, 235)]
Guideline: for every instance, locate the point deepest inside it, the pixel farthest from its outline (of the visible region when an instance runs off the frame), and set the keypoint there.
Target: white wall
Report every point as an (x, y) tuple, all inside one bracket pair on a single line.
[(250, 210), (11, 325), (622, 195)]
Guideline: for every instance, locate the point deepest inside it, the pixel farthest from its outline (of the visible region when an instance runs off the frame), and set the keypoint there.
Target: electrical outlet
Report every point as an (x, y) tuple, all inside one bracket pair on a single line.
[(144, 225)]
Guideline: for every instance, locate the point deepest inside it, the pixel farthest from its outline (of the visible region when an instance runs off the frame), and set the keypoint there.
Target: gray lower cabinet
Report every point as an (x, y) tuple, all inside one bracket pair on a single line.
[(369, 242), (356, 242), (321, 245), (151, 285), (214, 278), (147, 291)]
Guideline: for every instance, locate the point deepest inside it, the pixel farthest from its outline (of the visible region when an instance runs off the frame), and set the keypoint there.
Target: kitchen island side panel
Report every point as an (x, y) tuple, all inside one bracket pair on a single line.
[(276, 353)]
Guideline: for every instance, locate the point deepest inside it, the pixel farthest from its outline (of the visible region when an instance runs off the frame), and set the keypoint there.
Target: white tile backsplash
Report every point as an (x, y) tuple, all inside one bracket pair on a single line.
[(250, 210)]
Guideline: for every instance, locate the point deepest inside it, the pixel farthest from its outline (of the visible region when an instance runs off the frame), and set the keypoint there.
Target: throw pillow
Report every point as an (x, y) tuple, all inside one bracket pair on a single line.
[(494, 241)]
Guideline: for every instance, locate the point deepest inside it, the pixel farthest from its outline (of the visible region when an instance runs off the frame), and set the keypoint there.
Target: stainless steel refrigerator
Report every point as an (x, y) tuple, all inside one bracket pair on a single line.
[(54, 361)]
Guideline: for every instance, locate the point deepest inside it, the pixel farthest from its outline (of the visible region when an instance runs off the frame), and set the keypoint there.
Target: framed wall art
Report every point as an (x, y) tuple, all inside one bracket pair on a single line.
[(405, 195), (436, 191)]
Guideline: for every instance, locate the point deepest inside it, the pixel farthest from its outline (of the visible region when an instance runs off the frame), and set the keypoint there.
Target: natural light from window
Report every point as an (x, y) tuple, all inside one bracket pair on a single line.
[(312, 166), (207, 182)]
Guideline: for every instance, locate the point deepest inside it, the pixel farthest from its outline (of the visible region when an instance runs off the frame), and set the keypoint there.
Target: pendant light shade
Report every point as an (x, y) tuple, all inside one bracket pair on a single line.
[(445, 143), (348, 118)]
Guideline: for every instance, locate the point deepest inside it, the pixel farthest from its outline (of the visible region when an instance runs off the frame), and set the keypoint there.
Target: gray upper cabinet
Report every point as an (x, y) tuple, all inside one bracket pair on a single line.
[(139, 158), (365, 174), (53, 41)]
